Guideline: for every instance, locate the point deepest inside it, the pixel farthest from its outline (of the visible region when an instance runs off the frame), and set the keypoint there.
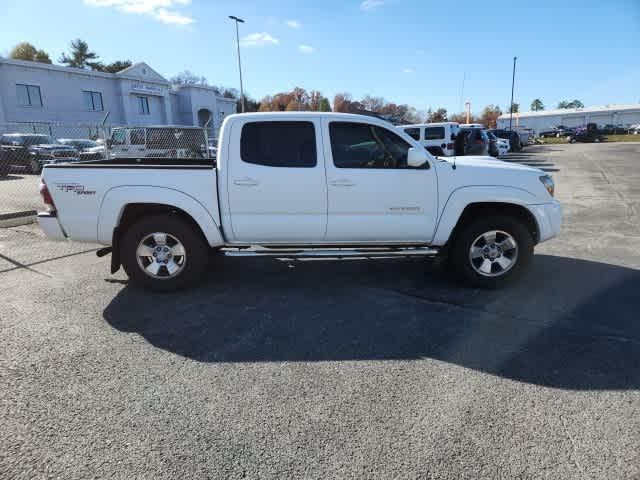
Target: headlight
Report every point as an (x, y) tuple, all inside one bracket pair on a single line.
[(548, 183)]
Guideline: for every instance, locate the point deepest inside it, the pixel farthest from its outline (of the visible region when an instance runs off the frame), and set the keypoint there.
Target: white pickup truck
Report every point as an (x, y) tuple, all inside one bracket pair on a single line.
[(303, 184)]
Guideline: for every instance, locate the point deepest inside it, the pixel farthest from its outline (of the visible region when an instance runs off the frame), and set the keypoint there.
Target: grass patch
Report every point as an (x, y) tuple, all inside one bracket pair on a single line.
[(609, 138)]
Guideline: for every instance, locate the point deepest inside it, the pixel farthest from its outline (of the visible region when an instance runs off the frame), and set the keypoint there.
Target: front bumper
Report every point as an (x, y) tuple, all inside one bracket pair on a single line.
[(549, 219), (51, 226)]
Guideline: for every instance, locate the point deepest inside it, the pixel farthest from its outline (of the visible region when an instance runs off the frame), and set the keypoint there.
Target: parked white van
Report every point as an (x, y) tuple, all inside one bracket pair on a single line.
[(434, 136), (157, 141)]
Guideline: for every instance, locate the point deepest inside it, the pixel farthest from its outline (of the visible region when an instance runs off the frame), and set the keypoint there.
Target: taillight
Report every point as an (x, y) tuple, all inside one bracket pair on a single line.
[(46, 196)]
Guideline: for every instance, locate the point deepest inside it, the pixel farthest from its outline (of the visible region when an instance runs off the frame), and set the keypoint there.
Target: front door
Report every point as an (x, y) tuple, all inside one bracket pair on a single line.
[(276, 182), (373, 195)]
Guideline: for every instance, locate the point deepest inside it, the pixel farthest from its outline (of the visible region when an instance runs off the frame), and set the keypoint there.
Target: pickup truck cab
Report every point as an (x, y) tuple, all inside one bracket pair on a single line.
[(303, 184)]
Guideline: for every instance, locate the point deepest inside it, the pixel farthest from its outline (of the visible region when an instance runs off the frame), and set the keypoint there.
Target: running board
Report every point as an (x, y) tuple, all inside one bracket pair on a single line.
[(332, 253)]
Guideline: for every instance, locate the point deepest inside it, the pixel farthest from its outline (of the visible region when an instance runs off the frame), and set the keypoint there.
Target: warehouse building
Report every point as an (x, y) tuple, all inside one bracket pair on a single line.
[(32, 92), (625, 115)]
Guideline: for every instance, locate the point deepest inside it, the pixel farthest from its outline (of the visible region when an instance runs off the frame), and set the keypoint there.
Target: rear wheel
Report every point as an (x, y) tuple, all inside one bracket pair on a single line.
[(164, 253), (490, 252)]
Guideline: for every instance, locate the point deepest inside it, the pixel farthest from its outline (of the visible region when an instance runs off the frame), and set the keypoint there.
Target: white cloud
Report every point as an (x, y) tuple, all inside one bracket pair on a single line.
[(407, 70), (371, 4), (258, 40), (161, 10), (306, 49), (295, 24)]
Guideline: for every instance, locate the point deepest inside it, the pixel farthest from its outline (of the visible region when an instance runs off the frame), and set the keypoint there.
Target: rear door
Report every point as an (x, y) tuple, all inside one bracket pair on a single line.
[(373, 195), (276, 181)]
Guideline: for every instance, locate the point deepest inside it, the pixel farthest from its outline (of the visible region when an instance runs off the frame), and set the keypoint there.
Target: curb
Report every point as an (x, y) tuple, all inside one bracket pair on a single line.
[(15, 219)]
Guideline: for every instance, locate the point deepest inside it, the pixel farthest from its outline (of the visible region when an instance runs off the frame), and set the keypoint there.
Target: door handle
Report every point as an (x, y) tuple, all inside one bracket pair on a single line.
[(247, 182), (341, 183)]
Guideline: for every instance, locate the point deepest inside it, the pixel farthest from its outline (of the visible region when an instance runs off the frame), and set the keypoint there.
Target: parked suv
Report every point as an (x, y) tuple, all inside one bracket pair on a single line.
[(158, 141), (476, 141), (437, 138), (32, 151)]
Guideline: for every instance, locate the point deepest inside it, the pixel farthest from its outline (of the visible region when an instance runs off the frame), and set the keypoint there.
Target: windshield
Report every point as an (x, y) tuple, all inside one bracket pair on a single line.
[(29, 140)]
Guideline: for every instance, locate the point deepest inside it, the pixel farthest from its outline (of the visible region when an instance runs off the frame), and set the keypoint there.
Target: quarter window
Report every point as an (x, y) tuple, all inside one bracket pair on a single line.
[(28, 95), (434, 133), (92, 101), (413, 133), (360, 145), (279, 144), (143, 105)]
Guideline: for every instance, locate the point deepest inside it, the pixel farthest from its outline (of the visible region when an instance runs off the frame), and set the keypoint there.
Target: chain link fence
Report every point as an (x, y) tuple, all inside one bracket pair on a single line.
[(25, 148)]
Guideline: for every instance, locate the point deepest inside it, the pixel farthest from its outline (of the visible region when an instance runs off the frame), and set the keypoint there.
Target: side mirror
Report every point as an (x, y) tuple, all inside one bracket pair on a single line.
[(417, 157)]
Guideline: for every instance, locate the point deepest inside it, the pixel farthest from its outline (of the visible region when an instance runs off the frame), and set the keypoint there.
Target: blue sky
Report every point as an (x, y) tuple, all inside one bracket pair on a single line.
[(408, 51)]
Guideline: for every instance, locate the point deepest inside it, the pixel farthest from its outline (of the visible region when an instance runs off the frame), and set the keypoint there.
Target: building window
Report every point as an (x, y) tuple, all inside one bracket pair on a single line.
[(143, 105), (28, 95), (92, 101)]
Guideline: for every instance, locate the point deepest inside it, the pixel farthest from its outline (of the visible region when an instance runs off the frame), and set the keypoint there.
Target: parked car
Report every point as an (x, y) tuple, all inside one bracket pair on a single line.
[(501, 144), (98, 152), (435, 137), (559, 131), (31, 151), (158, 141), (80, 144), (494, 151), (634, 129), (298, 184), (610, 129), (588, 134), (514, 139)]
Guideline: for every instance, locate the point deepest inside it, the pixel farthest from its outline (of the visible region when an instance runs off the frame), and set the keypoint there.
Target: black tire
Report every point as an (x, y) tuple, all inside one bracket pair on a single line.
[(4, 169), (195, 248), (459, 255)]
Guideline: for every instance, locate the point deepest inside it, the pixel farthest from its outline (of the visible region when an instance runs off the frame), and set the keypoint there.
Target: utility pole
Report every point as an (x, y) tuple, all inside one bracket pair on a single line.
[(513, 81), (239, 20)]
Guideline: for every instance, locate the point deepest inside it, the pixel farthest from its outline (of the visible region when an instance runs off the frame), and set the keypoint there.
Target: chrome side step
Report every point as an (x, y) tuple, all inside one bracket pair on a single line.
[(332, 253)]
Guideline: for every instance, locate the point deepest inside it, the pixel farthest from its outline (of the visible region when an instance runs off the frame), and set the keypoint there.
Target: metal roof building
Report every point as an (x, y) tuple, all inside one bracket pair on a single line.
[(574, 117)]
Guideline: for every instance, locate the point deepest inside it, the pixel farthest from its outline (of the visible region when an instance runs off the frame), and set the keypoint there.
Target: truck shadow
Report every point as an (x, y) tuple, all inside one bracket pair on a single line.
[(568, 324)]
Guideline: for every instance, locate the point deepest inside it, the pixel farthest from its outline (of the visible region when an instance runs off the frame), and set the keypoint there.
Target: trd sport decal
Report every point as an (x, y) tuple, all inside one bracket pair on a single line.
[(77, 188)]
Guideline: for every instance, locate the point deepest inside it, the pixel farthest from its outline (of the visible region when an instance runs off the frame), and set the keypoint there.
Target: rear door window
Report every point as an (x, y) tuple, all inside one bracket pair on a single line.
[(279, 144), (434, 133)]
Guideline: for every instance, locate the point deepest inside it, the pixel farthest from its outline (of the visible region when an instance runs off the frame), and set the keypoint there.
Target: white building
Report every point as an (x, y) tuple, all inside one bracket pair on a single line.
[(574, 117), (32, 92)]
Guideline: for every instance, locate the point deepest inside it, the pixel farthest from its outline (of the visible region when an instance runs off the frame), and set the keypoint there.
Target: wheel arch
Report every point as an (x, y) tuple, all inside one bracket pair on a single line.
[(469, 202), (474, 210), (123, 205)]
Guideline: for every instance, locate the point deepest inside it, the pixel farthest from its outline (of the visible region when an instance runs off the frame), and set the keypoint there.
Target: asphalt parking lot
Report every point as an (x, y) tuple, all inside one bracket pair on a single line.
[(335, 369), (19, 193)]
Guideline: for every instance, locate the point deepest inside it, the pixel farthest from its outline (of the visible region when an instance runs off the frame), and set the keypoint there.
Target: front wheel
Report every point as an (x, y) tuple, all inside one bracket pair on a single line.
[(164, 253), (490, 252)]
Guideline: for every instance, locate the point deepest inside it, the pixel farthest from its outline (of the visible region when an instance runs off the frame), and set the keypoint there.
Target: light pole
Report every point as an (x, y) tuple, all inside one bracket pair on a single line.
[(239, 20), (513, 81)]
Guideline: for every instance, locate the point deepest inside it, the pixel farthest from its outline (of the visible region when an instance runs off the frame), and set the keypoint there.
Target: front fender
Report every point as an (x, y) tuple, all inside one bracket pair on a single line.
[(460, 198), (116, 199)]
